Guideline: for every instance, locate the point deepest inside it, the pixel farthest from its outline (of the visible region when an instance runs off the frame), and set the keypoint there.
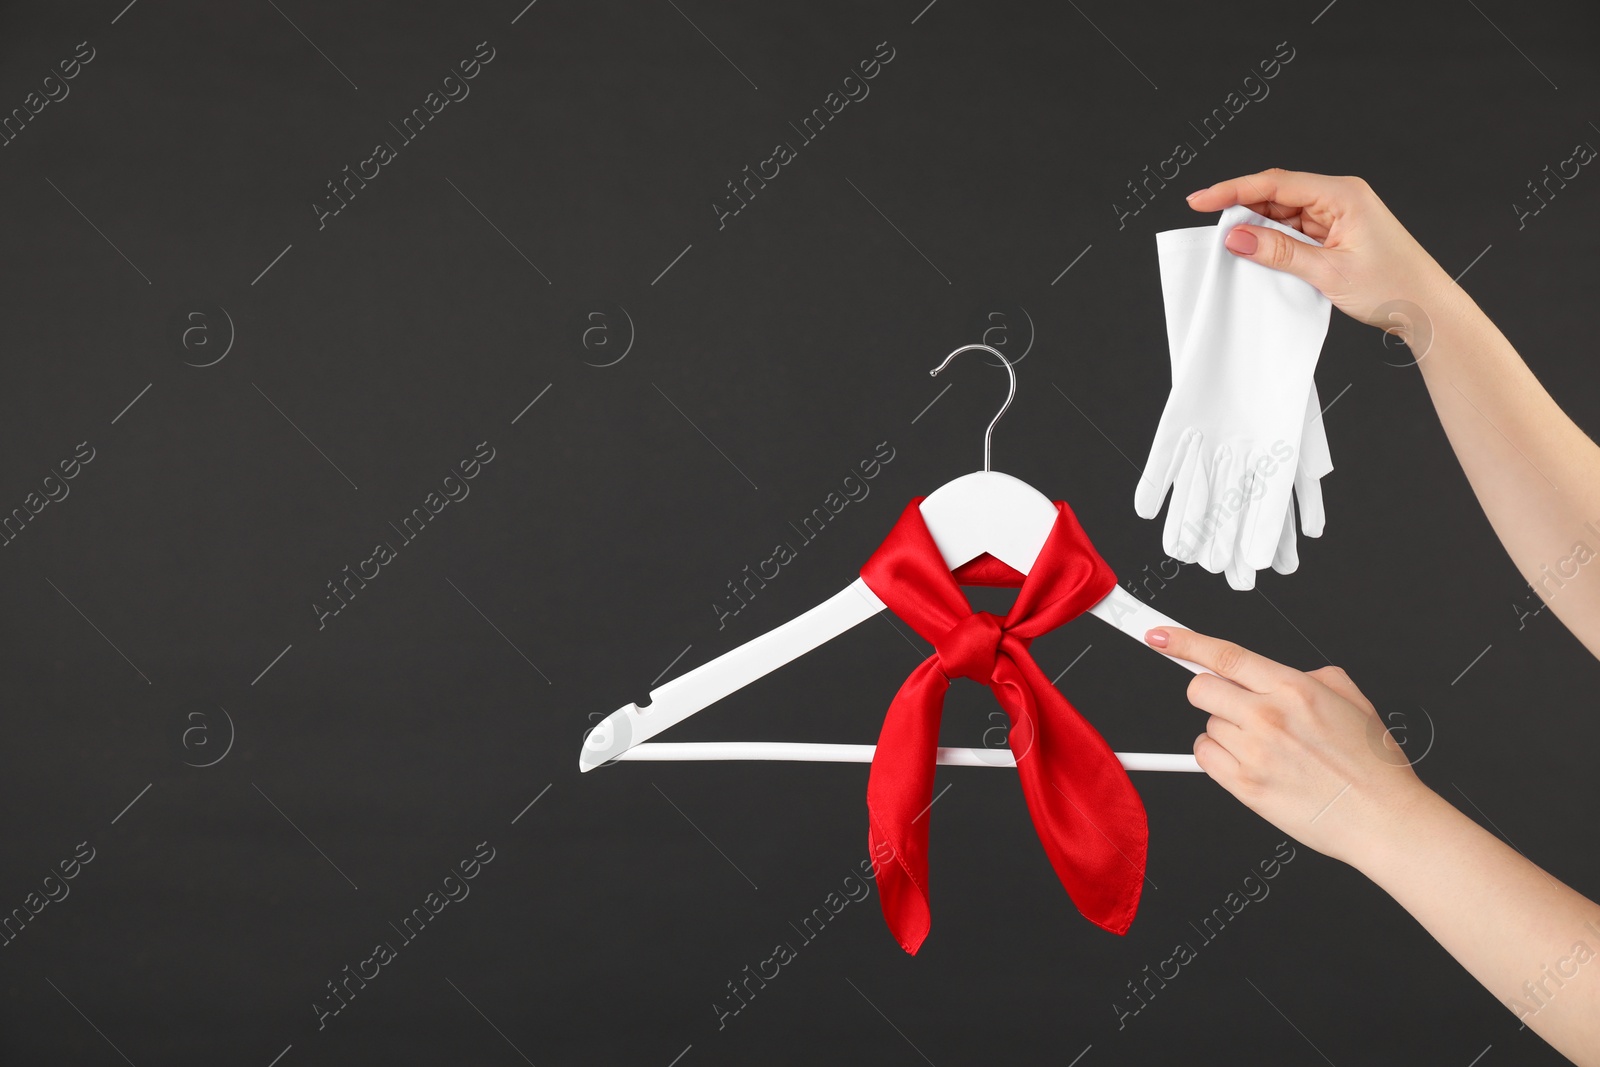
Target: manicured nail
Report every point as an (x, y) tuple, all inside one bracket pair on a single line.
[(1157, 638), (1194, 194), (1241, 241)]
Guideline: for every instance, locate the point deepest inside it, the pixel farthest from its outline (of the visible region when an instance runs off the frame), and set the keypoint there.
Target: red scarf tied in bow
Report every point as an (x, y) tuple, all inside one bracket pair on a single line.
[(1085, 810)]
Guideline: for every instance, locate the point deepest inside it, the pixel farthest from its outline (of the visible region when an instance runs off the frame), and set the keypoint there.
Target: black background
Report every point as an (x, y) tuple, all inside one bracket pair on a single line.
[(796, 338)]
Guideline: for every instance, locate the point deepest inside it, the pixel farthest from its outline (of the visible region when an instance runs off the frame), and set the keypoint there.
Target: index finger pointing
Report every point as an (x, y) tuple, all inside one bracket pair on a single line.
[(1254, 672)]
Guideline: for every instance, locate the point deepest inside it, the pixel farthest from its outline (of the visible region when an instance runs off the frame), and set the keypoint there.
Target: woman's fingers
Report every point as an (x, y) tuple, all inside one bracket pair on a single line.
[(1359, 256), (1288, 188), (1308, 262), (1288, 745), (1222, 698), (1216, 760), (1256, 673), (1306, 202), (1226, 733)]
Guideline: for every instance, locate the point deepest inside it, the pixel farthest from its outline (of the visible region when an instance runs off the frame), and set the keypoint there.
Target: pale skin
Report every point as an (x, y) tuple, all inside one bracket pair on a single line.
[(1306, 750)]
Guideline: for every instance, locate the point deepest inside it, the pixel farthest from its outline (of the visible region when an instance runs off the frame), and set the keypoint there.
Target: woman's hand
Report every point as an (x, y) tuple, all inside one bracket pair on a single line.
[(1305, 751), (1367, 262)]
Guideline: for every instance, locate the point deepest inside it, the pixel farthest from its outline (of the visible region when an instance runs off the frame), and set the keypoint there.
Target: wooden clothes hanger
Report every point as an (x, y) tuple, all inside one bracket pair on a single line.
[(985, 511)]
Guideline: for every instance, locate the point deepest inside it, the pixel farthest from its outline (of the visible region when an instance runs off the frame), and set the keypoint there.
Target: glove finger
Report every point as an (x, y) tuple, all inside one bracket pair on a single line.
[(1240, 577), (1270, 503), (1167, 454), (1185, 535), (1287, 559), (1257, 528), (1315, 459), (1308, 497), (1227, 476)]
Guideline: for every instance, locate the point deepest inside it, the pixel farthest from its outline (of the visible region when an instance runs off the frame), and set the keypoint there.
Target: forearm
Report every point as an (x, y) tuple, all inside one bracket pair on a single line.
[(1535, 473), (1531, 941)]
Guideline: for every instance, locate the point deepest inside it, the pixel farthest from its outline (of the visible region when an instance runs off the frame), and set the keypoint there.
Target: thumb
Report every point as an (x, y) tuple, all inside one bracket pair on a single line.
[(1270, 248)]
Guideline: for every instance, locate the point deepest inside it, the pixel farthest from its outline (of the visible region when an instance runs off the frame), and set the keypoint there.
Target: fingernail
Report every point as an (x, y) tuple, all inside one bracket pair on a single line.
[(1157, 638), (1241, 241), (1194, 194)]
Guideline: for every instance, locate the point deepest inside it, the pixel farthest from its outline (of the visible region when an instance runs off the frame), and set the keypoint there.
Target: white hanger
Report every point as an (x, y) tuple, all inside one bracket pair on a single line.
[(985, 511)]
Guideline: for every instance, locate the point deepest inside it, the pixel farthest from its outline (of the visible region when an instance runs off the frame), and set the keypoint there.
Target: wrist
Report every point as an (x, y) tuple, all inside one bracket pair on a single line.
[(1392, 824), (1442, 308)]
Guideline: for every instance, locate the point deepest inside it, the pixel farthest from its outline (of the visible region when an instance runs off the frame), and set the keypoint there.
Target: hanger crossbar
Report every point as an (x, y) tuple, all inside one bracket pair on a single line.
[(661, 751)]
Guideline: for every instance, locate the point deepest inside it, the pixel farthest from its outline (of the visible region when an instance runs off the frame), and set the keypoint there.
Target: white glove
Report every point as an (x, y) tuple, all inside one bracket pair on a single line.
[(1241, 432), (1182, 256)]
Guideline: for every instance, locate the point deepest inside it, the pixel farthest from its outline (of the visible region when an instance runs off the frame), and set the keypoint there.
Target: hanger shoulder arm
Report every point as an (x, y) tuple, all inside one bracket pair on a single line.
[(676, 700), (1134, 617)]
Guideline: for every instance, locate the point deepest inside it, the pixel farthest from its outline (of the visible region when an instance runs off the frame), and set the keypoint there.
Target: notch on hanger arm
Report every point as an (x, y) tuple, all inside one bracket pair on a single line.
[(618, 734)]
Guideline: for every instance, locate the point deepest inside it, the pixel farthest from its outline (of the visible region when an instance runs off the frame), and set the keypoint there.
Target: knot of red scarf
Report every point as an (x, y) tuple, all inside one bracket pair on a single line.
[(968, 649), (1085, 810)]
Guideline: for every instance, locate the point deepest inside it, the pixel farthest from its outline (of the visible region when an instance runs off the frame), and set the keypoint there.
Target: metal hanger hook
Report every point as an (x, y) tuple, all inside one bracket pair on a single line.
[(1010, 395)]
